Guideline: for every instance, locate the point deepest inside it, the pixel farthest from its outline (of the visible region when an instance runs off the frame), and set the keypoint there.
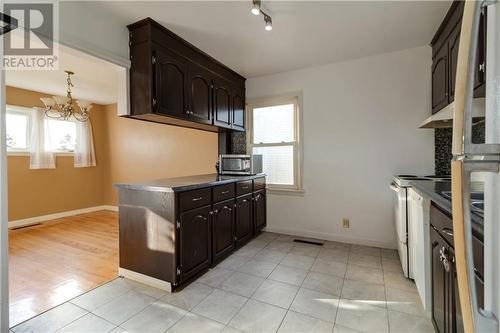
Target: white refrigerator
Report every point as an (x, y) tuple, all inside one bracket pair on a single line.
[(479, 161)]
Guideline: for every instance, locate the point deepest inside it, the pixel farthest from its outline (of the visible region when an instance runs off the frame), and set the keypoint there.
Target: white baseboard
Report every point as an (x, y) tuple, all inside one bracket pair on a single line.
[(330, 237), (44, 218), (148, 280)]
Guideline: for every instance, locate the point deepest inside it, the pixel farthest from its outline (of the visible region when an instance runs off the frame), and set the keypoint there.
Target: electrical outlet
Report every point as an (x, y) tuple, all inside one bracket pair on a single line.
[(345, 222)]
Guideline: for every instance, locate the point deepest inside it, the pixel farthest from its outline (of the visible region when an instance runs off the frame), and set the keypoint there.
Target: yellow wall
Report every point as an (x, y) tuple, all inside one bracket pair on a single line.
[(127, 150)]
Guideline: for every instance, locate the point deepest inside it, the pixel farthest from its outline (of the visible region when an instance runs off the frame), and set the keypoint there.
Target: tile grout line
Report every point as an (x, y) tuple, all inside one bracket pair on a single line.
[(341, 292)]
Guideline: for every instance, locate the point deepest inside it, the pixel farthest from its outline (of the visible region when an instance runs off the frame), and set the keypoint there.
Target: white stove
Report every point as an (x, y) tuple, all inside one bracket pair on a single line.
[(405, 180), (401, 185)]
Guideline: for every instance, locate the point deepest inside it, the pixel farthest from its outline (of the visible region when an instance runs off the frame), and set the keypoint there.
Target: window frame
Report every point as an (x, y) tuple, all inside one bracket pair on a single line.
[(24, 111), (295, 99), (60, 151)]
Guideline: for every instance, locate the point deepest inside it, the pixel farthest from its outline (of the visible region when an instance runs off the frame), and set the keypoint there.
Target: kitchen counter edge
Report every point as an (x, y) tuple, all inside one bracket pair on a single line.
[(188, 183)]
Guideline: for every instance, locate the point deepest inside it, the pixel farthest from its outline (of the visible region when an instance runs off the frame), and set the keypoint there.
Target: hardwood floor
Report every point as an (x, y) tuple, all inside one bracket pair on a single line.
[(58, 260)]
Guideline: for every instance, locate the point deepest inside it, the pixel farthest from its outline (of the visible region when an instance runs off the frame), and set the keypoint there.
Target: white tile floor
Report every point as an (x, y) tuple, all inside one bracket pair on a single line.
[(270, 285)]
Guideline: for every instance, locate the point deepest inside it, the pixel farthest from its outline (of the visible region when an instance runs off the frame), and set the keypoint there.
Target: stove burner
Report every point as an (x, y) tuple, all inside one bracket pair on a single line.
[(406, 176)]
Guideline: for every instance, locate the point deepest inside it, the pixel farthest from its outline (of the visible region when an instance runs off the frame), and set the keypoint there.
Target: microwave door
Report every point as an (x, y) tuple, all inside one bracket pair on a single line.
[(469, 158)]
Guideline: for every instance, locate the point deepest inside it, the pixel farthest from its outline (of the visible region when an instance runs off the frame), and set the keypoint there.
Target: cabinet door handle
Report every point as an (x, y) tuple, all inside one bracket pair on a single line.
[(197, 199), (224, 192), (202, 217), (481, 67), (447, 231), (244, 187)]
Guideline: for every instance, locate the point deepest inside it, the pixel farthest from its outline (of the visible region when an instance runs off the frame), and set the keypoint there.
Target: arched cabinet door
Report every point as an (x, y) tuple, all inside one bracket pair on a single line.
[(244, 224), (238, 114), (223, 229), (170, 84), (440, 80), (259, 210), (200, 94), (453, 45), (195, 245), (222, 103)]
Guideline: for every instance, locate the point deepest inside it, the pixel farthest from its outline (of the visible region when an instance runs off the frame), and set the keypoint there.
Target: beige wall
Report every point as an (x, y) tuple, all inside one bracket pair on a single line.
[(127, 150), (140, 150)]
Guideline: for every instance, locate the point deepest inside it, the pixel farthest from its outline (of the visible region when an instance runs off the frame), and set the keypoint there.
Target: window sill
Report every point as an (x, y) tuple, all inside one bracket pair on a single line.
[(285, 191), (21, 153)]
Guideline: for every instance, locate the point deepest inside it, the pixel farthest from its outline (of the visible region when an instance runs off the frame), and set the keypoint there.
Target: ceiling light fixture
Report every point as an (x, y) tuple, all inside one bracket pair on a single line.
[(256, 7), (269, 22), (61, 107)]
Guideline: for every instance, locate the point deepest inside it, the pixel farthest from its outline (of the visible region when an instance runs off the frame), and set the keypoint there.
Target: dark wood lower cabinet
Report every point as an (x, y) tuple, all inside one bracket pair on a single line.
[(223, 229), (259, 210), (244, 224), (195, 241), (176, 235)]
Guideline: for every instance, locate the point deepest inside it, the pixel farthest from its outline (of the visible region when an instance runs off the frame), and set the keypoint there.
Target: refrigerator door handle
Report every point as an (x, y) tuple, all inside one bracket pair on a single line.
[(463, 164)]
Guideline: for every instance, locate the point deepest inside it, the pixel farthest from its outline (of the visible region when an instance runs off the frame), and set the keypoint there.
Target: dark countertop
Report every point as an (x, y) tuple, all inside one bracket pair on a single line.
[(432, 191), (187, 183)]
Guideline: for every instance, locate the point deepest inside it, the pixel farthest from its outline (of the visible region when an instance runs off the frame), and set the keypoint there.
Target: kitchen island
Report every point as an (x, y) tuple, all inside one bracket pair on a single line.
[(172, 230)]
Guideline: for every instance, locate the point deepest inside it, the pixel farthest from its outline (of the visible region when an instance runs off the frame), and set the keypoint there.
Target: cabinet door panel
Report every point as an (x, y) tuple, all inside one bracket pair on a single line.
[(222, 104), (170, 84), (480, 75), (453, 45), (243, 225), (238, 118), (438, 277), (259, 202), (223, 229), (200, 94), (440, 80), (195, 241)]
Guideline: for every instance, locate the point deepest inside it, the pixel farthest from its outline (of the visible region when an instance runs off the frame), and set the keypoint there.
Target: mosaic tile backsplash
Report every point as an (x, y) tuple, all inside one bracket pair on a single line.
[(442, 142)]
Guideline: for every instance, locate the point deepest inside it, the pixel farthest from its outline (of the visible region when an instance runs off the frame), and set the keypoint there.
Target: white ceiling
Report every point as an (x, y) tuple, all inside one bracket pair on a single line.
[(305, 33), (94, 79)]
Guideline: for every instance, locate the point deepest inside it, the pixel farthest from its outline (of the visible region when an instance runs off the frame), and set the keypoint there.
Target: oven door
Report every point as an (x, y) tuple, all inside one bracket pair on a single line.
[(400, 221)]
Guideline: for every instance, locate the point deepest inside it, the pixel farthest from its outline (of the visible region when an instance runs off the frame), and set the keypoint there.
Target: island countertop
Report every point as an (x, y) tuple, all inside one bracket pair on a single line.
[(179, 184)]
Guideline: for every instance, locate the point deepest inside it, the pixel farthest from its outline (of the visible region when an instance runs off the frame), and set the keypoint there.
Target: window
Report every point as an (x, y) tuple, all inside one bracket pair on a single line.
[(274, 134), (18, 123), (61, 135)]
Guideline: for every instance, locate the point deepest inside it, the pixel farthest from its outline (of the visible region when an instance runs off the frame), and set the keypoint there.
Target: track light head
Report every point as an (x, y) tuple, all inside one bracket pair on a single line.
[(269, 22), (256, 7)]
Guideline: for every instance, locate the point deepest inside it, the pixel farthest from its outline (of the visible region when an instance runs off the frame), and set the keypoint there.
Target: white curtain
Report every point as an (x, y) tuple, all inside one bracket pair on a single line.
[(84, 147), (39, 157)]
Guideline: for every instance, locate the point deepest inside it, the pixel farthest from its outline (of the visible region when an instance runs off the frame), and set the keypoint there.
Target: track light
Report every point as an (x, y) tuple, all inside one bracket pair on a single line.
[(269, 22), (256, 7)]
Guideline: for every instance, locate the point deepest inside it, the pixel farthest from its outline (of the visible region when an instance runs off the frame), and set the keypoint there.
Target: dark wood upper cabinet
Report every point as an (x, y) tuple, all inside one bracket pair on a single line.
[(445, 45), (223, 229), (200, 94), (222, 104), (440, 81), (195, 241), (170, 83), (173, 82), (453, 44), (238, 114)]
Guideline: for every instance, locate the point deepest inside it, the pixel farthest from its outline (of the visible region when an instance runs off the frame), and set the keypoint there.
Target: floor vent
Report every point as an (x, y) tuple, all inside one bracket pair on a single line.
[(26, 226), (308, 242)]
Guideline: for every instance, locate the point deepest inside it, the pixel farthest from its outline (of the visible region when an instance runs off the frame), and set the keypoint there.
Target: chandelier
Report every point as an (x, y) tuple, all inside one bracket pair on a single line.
[(61, 107)]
